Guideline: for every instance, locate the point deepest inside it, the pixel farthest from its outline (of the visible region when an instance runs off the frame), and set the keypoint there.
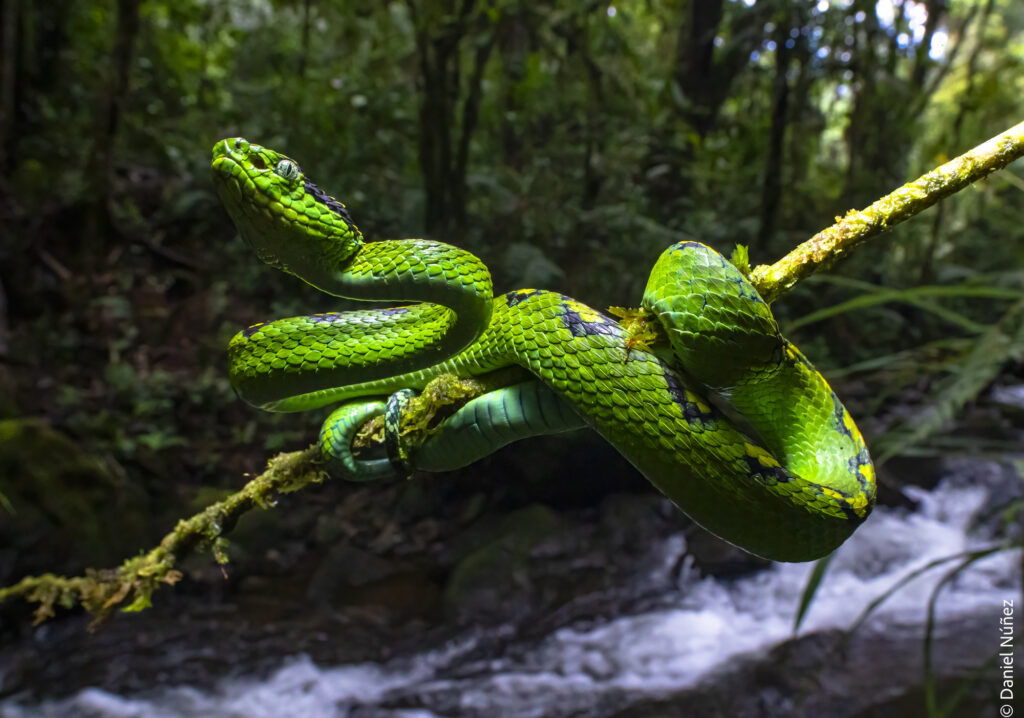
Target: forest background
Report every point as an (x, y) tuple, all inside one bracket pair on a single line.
[(565, 143)]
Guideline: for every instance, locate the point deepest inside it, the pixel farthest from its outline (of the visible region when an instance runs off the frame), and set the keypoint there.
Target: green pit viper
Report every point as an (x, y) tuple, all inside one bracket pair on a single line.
[(719, 411)]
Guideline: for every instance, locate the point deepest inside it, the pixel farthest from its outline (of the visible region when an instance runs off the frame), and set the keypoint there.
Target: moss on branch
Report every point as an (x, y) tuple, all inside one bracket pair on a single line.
[(130, 586)]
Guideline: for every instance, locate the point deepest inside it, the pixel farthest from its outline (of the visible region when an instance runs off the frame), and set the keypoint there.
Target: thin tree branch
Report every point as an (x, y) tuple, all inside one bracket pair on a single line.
[(101, 592), (821, 250)]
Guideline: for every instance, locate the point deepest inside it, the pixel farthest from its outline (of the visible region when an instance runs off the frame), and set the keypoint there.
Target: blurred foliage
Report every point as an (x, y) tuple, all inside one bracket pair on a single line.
[(566, 143)]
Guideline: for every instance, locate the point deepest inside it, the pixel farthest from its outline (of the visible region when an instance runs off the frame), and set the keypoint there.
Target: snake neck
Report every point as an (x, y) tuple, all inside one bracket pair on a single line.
[(297, 363), (420, 270), (295, 226)]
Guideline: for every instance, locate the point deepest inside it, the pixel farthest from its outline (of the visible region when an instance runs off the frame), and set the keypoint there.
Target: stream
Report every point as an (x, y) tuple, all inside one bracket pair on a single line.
[(693, 644)]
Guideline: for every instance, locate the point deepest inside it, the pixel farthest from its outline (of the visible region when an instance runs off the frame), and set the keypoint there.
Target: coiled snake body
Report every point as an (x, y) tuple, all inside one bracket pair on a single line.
[(719, 411)]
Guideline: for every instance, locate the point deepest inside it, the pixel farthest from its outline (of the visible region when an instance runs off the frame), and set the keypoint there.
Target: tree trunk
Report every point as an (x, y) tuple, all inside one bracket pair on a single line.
[(8, 73), (771, 183), (888, 103), (926, 274), (98, 223), (513, 49), (702, 76), (304, 53), (444, 143)]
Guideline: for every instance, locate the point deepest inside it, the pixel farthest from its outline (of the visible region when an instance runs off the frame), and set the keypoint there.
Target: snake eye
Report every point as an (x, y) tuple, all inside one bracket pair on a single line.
[(288, 169)]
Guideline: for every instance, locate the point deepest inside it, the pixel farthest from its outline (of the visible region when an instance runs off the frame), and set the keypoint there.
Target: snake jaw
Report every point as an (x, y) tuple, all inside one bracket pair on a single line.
[(289, 222), (235, 187)]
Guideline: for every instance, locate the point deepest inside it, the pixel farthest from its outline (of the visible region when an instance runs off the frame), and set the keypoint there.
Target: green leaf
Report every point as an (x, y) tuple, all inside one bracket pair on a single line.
[(813, 583), (139, 604), (918, 296), (741, 259)]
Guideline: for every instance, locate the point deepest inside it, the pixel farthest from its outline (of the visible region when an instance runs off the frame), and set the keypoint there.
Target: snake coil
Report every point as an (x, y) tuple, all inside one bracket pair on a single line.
[(723, 415)]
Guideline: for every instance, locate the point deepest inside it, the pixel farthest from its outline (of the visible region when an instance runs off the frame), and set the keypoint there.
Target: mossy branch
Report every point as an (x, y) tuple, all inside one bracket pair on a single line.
[(821, 250), (101, 592)]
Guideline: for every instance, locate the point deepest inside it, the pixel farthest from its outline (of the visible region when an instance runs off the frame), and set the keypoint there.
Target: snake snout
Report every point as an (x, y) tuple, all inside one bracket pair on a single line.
[(232, 147)]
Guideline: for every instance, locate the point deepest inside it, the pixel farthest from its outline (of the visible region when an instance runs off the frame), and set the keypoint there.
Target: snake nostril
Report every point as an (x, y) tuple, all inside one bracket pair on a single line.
[(241, 145)]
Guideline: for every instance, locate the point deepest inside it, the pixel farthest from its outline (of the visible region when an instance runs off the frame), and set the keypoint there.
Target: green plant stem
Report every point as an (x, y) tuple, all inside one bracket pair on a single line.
[(821, 250)]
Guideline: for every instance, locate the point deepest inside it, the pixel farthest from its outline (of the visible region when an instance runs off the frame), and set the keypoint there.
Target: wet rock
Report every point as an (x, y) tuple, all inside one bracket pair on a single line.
[(923, 471), (538, 569), (999, 515), (343, 567), (871, 675), (1010, 401), (890, 492), (60, 506), (712, 556), (495, 576)]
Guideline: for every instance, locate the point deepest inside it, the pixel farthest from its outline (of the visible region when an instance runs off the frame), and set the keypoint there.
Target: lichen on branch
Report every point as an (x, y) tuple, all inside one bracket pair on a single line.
[(824, 248)]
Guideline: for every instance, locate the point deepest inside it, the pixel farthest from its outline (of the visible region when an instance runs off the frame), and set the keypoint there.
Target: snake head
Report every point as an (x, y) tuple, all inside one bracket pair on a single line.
[(289, 222)]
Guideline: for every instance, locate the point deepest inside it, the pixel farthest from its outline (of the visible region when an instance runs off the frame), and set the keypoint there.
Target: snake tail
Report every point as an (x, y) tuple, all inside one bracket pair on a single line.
[(492, 421), (336, 436)]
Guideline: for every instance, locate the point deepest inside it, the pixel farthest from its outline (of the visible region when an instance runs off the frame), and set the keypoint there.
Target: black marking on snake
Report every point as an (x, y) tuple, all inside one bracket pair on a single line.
[(691, 412), (797, 356), (838, 413), (249, 331), (397, 455), (580, 327), (327, 318), (520, 295), (863, 458), (851, 513), (329, 202), (768, 474), (680, 246), (747, 290)]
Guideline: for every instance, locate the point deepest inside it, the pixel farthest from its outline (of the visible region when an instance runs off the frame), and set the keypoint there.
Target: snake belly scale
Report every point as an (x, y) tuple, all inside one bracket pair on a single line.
[(726, 417)]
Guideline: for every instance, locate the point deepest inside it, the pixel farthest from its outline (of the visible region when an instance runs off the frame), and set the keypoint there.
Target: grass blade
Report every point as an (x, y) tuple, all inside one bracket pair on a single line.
[(1003, 341), (916, 296), (813, 582), (903, 581)]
